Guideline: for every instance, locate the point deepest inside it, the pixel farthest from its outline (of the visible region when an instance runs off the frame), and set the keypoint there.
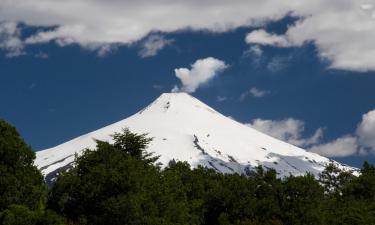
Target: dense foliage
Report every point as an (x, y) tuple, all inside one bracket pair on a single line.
[(119, 183), (23, 193)]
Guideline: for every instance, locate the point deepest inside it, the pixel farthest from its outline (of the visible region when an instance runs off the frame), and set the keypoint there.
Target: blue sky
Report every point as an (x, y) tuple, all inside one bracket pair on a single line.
[(53, 92)]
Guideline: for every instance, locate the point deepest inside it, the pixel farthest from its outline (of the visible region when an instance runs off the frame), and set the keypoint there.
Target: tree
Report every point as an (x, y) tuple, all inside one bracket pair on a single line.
[(21, 215), (301, 199), (355, 204), (267, 191), (333, 179), (363, 187), (23, 192), (134, 144), (20, 181), (118, 184)]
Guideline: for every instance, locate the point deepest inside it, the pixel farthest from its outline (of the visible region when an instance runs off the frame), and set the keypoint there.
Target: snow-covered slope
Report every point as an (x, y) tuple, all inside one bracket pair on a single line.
[(185, 129)]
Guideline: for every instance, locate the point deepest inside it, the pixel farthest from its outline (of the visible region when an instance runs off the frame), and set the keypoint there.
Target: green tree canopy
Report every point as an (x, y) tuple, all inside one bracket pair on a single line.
[(118, 184), (20, 181), (23, 192)]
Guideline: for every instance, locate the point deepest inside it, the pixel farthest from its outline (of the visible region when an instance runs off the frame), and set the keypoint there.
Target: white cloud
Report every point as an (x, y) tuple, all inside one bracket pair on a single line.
[(153, 44), (201, 72), (341, 147), (10, 39), (289, 130), (254, 92), (41, 55), (278, 63), (102, 50), (366, 131), (257, 92), (362, 142), (262, 37), (342, 30), (282, 129), (93, 22), (254, 50)]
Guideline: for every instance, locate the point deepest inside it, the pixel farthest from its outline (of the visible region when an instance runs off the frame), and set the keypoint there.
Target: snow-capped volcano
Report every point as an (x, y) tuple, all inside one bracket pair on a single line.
[(185, 129)]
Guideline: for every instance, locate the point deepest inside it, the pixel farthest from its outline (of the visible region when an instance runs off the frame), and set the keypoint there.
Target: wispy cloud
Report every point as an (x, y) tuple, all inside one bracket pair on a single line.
[(254, 92), (32, 86), (221, 98), (278, 63), (42, 55), (10, 39), (157, 86), (254, 52), (153, 44)]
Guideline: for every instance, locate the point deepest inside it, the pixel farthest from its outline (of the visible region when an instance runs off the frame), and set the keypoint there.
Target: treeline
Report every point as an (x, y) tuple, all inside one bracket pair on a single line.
[(119, 184)]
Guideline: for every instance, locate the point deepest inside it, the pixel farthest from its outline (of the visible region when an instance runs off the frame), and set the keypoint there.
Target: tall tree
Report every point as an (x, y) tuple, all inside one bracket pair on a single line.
[(118, 184), (20, 181), (23, 192)]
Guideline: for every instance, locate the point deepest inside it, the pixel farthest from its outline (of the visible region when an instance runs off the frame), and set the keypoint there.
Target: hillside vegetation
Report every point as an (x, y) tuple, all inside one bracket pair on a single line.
[(119, 183)]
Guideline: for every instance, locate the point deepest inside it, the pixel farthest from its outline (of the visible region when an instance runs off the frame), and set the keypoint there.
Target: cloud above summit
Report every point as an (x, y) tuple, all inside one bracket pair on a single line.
[(202, 71), (342, 30)]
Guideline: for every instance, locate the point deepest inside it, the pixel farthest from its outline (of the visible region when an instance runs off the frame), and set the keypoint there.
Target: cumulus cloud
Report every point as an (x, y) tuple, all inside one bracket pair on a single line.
[(341, 147), (334, 26), (289, 130), (201, 72), (254, 92), (94, 23), (153, 44), (366, 131), (362, 142), (343, 32)]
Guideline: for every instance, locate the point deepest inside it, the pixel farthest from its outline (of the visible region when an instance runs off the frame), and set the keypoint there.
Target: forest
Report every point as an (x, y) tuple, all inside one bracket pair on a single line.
[(120, 183)]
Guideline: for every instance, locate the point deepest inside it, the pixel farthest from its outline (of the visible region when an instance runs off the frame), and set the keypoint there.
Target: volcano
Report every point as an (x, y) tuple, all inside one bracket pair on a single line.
[(185, 129)]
